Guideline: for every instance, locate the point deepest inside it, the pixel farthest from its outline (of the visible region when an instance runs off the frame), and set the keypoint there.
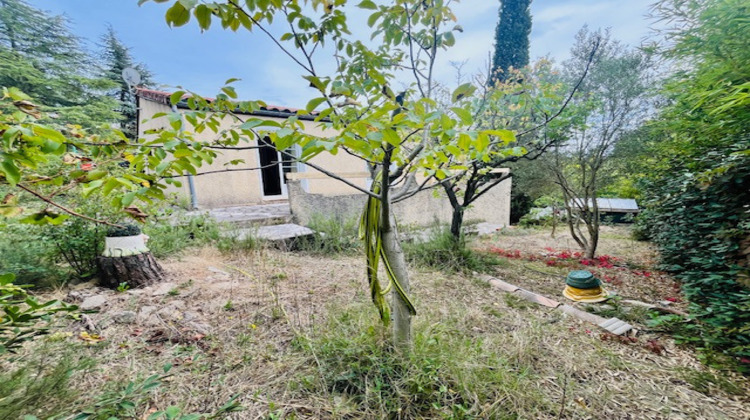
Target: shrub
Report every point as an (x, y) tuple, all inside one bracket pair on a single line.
[(127, 229), (78, 242), (33, 259), (442, 251), (23, 317), (699, 228)]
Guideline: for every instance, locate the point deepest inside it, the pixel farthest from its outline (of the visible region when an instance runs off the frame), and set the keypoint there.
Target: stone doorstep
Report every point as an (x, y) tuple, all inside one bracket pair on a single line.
[(274, 233), (248, 216)]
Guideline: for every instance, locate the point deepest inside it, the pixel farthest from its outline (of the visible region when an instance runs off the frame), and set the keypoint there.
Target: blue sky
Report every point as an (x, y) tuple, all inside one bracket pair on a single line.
[(202, 62)]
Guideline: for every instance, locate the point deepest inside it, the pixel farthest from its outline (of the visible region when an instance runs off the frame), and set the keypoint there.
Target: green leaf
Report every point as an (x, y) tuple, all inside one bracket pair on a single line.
[(463, 91), (12, 174), (229, 91), (176, 97), (128, 198), (367, 4), (172, 411), (391, 137), (177, 15), (203, 16), (448, 39), (373, 18), (463, 114), (505, 135), (314, 104), (48, 133), (188, 4)]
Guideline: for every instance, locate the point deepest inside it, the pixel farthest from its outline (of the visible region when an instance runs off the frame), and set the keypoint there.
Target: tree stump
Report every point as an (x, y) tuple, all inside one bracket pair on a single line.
[(139, 270)]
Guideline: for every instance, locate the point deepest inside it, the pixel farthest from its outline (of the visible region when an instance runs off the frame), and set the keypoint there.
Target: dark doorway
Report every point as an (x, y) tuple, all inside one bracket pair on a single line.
[(269, 162)]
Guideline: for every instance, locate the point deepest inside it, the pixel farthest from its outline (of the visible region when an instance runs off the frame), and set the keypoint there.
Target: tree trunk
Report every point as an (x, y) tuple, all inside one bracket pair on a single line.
[(138, 270), (457, 222), (400, 316)]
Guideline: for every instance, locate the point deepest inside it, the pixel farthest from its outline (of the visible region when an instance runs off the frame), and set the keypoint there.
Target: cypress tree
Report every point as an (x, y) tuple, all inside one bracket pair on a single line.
[(115, 57), (511, 38)]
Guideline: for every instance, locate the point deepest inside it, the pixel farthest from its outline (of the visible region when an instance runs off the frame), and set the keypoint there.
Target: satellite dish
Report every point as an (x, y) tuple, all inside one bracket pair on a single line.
[(131, 77)]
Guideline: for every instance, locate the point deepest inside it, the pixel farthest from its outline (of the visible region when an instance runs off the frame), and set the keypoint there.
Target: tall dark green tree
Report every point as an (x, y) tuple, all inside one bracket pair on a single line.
[(40, 55), (511, 38), (115, 57)]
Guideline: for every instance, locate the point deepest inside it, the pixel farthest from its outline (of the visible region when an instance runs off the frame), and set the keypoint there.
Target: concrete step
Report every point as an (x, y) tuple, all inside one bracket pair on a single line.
[(250, 216), (284, 234)]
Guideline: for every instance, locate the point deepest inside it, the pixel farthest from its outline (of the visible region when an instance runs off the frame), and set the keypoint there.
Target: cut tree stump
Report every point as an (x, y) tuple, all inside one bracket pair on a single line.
[(138, 270)]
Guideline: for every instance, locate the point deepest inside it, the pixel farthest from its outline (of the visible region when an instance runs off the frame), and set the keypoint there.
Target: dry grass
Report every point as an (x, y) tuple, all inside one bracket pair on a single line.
[(266, 325)]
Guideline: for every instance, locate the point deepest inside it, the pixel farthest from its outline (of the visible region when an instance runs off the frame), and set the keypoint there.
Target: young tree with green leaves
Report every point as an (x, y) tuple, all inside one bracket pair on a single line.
[(406, 138), (535, 109), (511, 39), (404, 135), (609, 103)]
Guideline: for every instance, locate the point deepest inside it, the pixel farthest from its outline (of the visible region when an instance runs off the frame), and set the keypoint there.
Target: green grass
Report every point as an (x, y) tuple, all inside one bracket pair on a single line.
[(166, 239), (40, 384), (333, 236), (441, 251), (447, 374)]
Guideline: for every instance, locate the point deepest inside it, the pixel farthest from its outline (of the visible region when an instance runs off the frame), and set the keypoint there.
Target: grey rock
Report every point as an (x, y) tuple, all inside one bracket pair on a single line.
[(93, 302), (169, 313), (665, 303), (163, 289), (106, 322), (124, 317)]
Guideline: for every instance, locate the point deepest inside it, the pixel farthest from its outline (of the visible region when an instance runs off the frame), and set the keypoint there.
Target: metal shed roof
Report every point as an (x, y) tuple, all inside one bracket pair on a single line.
[(621, 205)]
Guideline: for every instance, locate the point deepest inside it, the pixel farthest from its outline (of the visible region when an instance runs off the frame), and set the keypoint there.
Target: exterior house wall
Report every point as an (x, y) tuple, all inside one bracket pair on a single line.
[(423, 209), (314, 193), (244, 187)]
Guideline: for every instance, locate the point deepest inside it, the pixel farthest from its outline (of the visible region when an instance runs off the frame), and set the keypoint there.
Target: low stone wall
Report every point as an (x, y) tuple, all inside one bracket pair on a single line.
[(423, 209)]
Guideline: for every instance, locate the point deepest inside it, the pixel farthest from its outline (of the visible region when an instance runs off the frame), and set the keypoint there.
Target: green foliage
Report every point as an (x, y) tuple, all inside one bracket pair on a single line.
[(127, 229), (24, 317), (511, 38), (699, 229), (116, 57), (40, 56), (168, 237), (79, 242), (33, 259), (699, 154), (39, 383), (442, 251), (239, 243)]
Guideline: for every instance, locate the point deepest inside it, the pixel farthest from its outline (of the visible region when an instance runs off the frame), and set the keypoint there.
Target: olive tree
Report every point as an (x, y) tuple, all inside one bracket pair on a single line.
[(610, 102)]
